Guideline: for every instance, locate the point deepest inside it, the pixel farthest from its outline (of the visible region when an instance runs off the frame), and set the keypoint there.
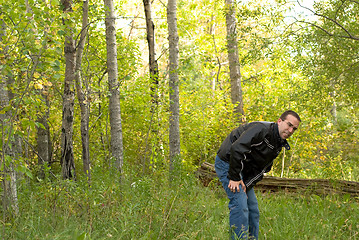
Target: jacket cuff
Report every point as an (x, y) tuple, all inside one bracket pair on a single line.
[(235, 177)]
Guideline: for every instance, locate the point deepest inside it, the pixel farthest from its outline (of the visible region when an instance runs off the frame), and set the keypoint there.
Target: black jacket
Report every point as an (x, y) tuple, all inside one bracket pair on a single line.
[(250, 150)]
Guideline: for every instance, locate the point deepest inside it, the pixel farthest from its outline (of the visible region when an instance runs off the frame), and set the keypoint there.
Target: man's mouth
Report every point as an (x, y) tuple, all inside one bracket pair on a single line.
[(286, 135)]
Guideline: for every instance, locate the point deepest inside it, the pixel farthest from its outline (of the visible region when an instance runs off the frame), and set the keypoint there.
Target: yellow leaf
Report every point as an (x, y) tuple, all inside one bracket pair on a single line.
[(36, 75), (39, 86)]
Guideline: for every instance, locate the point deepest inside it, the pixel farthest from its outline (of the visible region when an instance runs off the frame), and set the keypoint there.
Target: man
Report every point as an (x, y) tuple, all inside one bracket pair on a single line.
[(244, 156)]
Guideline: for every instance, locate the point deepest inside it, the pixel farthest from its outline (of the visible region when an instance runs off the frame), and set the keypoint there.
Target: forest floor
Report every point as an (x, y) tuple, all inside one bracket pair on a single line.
[(154, 208)]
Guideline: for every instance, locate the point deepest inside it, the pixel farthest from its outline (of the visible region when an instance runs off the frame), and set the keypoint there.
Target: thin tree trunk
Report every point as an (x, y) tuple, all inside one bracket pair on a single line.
[(151, 47), (10, 202), (67, 157), (115, 110), (43, 139), (174, 133), (283, 163), (8, 175), (333, 111), (293, 148), (81, 95), (153, 66), (234, 67)]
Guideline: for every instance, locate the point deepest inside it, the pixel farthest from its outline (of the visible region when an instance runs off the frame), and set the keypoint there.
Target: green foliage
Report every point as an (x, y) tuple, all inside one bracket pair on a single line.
[(307, 72), (308, 217), (204, 125), (150, 207), (324, 53), (141, 208)]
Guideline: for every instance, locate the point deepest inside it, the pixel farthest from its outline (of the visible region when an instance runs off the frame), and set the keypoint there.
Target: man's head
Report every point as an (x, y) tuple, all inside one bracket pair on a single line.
[(287, 124)]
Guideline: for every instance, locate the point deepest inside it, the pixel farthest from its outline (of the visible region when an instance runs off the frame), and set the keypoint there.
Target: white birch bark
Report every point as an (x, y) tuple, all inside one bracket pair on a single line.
[(174, 133), (9, 194), (81, 93), (112, 70)]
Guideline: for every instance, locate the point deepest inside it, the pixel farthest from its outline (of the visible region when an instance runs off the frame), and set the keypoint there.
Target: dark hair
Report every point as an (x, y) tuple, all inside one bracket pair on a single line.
[(290, 112)]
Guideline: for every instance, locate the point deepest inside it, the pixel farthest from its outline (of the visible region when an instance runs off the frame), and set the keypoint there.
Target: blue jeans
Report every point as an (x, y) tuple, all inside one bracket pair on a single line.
[(243, 207)]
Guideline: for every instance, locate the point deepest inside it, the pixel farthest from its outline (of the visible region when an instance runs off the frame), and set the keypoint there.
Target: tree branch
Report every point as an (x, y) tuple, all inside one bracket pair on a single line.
[(331, 34), (350, 36)]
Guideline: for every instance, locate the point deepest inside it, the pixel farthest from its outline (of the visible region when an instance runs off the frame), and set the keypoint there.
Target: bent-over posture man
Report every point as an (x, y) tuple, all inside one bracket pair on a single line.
[(244, 156)]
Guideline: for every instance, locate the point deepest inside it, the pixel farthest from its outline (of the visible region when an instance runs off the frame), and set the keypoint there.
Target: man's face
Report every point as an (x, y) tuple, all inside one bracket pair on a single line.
[(288, 126)]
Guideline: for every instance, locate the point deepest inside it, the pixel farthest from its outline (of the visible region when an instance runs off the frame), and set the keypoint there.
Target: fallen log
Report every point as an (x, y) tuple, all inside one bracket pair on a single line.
[(206, 173)]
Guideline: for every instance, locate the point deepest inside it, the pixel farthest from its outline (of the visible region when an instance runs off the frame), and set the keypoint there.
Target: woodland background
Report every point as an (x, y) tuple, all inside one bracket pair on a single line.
[(84, 180)]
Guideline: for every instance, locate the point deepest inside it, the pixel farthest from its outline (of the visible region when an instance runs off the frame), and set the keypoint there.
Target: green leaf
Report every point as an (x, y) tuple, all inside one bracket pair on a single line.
[(61, 32), (5, 109), (82, 236), (23, 169), (39, 125), (55, 2)]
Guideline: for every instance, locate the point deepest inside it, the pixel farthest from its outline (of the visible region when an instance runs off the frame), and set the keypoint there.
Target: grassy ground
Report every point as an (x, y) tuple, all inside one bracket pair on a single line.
[(151, 208)]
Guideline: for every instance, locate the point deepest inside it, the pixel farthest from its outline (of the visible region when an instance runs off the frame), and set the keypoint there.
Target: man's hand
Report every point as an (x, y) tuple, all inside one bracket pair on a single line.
[(234, 186)]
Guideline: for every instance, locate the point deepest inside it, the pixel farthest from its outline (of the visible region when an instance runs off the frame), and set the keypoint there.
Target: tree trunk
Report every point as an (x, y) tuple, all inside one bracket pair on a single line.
[(234, 67), (151, 47), (207, 173), (174, 133), (115, 110), (43, 138), (81, 95), (8, 175), (154, 75), (10, 202), (67, 157), (333, 111)]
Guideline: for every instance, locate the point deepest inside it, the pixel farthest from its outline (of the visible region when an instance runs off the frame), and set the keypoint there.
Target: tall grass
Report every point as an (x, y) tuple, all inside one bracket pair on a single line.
[(297, 216), (153, 208)]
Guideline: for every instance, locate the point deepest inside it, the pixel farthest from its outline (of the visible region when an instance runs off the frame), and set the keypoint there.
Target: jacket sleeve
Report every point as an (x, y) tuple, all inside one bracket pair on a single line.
[(241, 147)]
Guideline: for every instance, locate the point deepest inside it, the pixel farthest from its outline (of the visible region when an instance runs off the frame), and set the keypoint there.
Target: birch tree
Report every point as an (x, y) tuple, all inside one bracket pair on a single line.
[(174, 133), (112, 71), (8, 175), (67, 156), (234, 67), (81, 93)]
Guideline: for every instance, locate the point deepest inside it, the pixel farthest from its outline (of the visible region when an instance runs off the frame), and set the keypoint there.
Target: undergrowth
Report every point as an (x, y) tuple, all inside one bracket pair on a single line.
[(154, 208)]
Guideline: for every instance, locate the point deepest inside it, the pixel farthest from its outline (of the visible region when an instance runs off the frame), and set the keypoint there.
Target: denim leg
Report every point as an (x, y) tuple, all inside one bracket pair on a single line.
[(238, 214), (239, 205), (253, 214)]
